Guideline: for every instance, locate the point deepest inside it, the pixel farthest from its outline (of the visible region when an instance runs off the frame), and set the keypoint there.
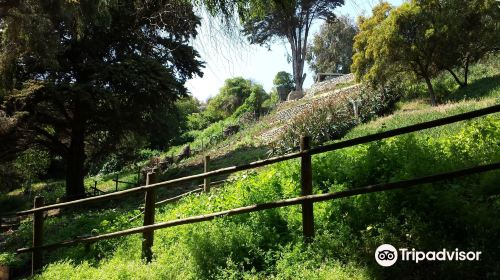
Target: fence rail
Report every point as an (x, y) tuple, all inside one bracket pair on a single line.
[(276, 204), (260, 163), (306, 200)]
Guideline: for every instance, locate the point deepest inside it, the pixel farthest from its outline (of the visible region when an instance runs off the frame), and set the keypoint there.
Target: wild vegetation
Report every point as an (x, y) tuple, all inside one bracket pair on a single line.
[(421, 39), (40, 90), (269, 244), (332, 48)]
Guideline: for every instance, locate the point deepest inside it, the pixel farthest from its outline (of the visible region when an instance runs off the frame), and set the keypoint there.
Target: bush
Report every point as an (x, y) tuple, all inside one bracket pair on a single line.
[(331, 119), (31, 164), (146, 154), (9, 259), (457, 213), (198, 121)]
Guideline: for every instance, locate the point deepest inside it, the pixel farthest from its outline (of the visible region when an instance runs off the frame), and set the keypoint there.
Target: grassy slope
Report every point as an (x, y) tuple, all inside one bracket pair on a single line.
[(267, 244)]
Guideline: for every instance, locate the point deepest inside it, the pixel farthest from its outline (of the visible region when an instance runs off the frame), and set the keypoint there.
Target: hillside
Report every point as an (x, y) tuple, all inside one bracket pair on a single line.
[(268, 245)]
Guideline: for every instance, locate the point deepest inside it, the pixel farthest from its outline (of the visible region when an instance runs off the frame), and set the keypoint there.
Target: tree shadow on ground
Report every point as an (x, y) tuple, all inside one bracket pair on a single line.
[(480, 88)]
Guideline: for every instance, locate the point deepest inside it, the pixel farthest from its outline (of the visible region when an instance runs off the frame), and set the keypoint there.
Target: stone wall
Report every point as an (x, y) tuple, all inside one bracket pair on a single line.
[(328, 85), (294, 108)]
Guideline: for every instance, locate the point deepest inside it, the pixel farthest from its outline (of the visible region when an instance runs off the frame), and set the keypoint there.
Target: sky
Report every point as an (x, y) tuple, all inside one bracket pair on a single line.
[(232, 57)]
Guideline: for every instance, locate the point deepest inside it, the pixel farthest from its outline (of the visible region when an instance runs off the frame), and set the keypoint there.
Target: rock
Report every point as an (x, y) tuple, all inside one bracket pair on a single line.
[(230, 130), (282, 93), (186, 152), (295, 95), (168, 160)]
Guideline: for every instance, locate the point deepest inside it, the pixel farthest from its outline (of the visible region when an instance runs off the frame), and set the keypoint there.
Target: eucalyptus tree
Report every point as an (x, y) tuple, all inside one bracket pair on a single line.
[(264, 21), (332, 48)]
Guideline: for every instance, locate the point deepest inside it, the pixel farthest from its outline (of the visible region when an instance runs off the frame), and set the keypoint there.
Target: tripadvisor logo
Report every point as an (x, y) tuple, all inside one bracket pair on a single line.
[(387, 255)]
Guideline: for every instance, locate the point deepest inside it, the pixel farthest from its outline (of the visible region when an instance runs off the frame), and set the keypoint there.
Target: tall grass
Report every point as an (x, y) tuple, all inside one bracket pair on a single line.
[(459, 213)]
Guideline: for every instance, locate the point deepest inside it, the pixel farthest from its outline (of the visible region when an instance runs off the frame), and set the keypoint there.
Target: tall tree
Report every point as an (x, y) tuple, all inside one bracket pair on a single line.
[(401, 40), (331, 49), (264, 21), (472, 30), (366, 61), (413, 42), (76, 75)]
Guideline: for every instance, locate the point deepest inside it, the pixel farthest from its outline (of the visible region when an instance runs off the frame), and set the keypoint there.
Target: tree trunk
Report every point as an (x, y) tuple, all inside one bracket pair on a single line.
[(296, 69), (457, 79), (431, 91), (75, 159), (466, 71), (298, 59)]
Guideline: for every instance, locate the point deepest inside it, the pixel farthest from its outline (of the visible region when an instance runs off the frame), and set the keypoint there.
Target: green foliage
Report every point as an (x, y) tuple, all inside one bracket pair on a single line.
[(332, 118), (80, 75), (253, 104), (332, 48), (483, 82), (237, 98), (264, 21), (272, 101), (285, 80), (31, 164), (420, 39), (472, 29), (146, 154), (198, 121), (269, 245), (456, 213), (231, 96), (187, 105), (365, 59), (9, 259), (188, 109)]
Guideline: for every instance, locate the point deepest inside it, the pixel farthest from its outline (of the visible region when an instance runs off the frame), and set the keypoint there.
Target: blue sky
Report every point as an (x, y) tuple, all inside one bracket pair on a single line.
[(226, 57)]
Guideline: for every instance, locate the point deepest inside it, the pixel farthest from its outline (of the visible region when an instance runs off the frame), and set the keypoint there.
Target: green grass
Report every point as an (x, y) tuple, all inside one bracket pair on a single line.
[(268, 244), (461, 213)]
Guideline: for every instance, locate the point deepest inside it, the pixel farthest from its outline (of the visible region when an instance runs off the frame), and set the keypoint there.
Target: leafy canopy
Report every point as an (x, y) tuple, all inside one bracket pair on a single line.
[(422, 39), (235, 92), (332, 48), (266, 21), (284, 79), (79, 74)]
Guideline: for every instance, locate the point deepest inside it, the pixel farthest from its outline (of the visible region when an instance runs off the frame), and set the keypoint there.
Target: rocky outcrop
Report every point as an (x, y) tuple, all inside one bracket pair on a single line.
[(230, 130), (295, 95), (186, 152), (282, 93)]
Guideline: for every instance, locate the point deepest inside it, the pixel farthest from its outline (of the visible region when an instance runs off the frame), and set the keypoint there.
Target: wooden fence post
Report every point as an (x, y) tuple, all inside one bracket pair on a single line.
[(306, 183), (206, 181), (116, 183), (36, 255), (138, 176), (149, 217)]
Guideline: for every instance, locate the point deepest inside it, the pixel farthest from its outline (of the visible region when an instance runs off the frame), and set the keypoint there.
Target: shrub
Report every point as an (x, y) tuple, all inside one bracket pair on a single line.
[(332, 118), (31, 164), (9, 259), (146, 154)]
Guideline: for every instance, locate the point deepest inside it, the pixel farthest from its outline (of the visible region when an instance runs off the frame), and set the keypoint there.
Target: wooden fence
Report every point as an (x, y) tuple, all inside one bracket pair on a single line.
[(306, 200), (96, 191)]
